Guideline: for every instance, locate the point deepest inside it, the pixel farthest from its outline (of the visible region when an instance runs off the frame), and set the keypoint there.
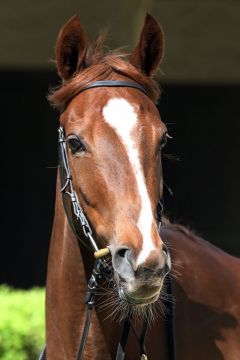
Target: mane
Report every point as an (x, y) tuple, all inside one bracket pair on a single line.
[(101, 64)]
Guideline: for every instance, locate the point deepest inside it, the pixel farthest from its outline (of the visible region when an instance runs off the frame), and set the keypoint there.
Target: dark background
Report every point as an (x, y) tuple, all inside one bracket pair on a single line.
[(200, 106), (203, 121)]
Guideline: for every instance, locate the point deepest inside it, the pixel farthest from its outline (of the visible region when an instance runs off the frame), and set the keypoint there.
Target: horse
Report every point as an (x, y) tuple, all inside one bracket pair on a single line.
[(112, 136)]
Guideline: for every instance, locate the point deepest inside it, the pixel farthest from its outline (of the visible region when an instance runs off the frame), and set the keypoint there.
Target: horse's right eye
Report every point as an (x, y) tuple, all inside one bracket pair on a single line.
[(75, 144)]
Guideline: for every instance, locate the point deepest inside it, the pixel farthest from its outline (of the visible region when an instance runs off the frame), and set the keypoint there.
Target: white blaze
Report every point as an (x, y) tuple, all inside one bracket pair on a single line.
[(120, 115)]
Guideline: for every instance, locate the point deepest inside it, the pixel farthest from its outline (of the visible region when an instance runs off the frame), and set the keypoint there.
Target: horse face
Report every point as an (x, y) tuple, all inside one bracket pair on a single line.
[(115, 158), (115, 137)]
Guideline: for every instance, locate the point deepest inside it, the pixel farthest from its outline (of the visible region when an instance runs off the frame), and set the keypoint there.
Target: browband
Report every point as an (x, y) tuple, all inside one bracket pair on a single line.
[(114, 83), (109, 83)]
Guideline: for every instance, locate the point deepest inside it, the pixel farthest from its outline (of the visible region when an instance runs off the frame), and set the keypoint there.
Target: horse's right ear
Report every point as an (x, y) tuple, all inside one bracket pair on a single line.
[(71, 48)]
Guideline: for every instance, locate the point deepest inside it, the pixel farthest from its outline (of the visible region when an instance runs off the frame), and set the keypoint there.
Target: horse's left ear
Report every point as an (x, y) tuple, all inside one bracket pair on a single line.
[(71, 48), (149, 51)]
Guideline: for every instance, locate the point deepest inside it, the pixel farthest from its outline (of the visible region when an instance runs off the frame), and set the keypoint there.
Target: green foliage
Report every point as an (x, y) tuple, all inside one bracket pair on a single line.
[(21, 323)]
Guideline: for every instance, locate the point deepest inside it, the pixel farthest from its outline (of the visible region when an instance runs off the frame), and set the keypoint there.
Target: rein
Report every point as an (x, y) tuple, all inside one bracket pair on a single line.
[(101, 268)]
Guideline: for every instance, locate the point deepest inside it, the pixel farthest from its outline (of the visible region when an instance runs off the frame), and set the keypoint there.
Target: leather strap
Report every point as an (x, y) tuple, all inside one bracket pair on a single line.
[(85, 333), (123, 340), (109, 83), (170, 323), (43, 355), (115, 83)]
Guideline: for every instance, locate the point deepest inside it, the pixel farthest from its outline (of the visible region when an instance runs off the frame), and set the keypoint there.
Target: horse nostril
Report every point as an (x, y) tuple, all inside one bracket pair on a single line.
[(165, 250), (168, 265), (122, 252), (121, 255), (122, 262)]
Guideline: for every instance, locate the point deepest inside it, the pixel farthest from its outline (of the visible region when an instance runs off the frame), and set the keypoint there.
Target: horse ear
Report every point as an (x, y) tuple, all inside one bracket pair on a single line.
[(149, 51), (71, 48)]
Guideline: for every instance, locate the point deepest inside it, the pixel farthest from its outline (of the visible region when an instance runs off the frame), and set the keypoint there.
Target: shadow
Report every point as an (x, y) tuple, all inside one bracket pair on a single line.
[(200, 328)]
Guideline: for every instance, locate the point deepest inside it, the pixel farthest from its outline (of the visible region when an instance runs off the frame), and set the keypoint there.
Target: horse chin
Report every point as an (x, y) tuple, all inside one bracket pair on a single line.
[(138, 299)]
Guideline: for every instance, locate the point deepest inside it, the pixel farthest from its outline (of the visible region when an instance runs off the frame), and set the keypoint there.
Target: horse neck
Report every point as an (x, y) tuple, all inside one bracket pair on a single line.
[(66, 288)]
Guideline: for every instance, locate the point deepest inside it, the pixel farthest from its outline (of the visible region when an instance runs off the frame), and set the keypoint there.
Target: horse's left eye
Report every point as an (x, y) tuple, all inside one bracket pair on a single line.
[(163, 142), (75, 144)]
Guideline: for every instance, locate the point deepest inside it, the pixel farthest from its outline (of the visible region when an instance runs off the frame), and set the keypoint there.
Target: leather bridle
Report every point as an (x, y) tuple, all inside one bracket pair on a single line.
[(101, 268)]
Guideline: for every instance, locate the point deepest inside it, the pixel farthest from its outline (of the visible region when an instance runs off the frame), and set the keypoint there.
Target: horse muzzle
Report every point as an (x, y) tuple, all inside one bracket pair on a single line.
[(140, 285)]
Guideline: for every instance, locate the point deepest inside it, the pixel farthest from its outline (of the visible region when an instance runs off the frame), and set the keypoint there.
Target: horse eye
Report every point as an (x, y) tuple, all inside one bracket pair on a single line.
[(163, 142), (75, 144)]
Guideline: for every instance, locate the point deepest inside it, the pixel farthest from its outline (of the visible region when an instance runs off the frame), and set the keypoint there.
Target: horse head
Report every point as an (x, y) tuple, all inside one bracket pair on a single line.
[(114, 139)]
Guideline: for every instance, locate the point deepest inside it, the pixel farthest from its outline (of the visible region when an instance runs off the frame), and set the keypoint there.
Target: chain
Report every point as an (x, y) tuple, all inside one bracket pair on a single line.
[(67, 189)]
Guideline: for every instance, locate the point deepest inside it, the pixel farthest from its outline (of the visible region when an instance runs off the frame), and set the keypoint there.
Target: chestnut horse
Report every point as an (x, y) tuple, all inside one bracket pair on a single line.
[(114, 136)]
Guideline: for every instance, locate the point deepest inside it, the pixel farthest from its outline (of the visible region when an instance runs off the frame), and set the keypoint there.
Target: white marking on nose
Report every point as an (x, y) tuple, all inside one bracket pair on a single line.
[(121, 116)]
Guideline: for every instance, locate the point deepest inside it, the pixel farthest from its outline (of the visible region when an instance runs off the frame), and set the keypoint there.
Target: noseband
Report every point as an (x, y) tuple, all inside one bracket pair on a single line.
[(85, 237)]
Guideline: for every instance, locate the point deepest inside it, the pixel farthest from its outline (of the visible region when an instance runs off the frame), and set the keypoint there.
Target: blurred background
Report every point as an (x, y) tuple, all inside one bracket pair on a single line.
[(200, 79)]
